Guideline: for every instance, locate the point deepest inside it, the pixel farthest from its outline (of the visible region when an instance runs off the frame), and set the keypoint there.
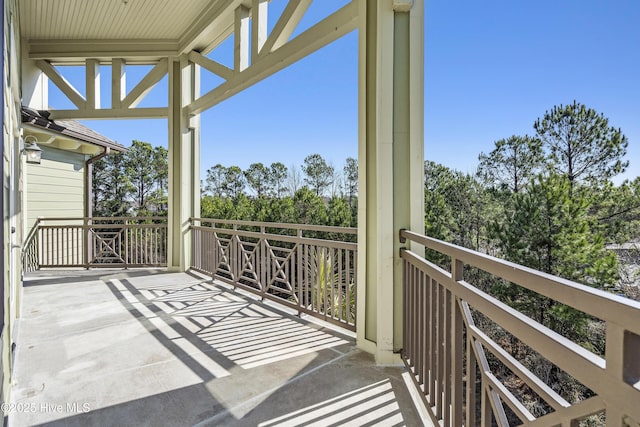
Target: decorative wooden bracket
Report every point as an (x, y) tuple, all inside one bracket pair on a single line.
[(272, 52), (123, 105)]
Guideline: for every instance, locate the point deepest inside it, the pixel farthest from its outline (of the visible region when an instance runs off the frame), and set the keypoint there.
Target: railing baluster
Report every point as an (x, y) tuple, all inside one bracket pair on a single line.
[(204, 250), (471, 373), (419, 321), (298, 248), (58, 258), (349, 279), (485, 420), (425, 282), (49, 251), (201, 249), (64, 245), (216, 253), (340, 285), (438, 350), (448, 374), (433, 351), (406, 284), (52, 250), (85, 242), (457, 273), (262, 272), (410, 325)]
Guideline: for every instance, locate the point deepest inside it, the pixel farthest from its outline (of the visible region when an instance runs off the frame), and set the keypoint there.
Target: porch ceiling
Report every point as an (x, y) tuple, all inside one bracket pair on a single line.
[(65, 30)]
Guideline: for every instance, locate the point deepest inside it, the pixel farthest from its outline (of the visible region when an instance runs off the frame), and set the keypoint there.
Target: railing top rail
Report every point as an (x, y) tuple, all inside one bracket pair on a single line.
[(338, 244), (42, 220), (281, 225), (102, 226), (134, 218), (598, 303), (32, 232)]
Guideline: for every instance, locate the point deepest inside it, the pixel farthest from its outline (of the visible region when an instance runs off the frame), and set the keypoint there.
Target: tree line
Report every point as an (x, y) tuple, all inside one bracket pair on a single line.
[(315, 193), (135, 184), (544, 200)]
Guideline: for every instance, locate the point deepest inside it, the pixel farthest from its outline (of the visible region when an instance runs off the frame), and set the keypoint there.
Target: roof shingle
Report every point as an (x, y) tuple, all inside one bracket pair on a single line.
[(70, 128)]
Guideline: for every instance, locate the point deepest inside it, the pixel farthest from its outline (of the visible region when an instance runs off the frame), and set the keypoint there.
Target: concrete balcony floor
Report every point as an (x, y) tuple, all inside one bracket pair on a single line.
[(147, 347)]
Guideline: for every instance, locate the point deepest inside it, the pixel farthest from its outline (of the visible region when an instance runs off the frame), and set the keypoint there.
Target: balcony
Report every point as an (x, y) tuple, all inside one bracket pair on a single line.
[(233, 350), (158, 347), (148, 347)]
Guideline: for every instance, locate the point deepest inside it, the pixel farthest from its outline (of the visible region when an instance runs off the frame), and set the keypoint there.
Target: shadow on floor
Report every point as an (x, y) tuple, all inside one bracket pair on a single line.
[(219, 358), (58, 277)]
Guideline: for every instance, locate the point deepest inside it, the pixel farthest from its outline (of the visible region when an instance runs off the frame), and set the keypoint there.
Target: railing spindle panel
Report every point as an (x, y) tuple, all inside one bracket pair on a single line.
[(312, 275), (455, 348), (111, 242)]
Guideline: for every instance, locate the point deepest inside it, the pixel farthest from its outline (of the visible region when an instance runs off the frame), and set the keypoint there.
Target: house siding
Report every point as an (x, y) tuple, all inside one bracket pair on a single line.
[(55, 188)]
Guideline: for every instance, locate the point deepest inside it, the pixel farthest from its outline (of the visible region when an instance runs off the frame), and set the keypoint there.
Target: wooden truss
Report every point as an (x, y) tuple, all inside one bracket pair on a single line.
[(123, 105), (257, 55)]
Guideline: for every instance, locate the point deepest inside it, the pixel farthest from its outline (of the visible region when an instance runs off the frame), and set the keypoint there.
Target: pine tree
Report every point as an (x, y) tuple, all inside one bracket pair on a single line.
[(512, 163), (581, 145)]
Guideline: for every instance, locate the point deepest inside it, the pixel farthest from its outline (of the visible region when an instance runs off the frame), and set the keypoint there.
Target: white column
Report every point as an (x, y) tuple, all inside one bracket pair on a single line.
[(184, 161), (35, 84), (391, 157)]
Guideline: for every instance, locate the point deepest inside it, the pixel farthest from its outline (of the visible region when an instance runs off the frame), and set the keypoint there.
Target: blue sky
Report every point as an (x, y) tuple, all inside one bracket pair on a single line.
[(491, 69)]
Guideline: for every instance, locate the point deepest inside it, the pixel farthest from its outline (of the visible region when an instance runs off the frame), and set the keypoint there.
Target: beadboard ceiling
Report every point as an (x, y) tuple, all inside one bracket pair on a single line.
[(180, 24)]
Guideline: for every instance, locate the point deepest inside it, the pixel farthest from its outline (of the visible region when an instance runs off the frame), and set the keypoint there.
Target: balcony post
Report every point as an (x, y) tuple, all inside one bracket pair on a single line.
[(184, 161), (391, 163)]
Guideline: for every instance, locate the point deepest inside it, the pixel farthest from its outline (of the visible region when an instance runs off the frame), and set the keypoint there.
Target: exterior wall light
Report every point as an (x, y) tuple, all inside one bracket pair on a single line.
[(31, 149)]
